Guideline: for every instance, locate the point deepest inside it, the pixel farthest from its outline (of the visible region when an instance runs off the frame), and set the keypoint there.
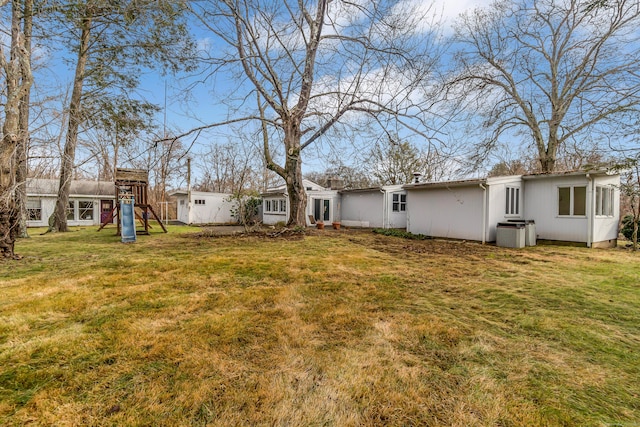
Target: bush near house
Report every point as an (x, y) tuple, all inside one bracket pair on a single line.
[(627, 227)]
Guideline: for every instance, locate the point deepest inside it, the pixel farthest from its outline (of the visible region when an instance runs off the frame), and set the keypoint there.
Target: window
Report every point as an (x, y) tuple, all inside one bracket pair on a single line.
[(275, 206), (512, 206), (85, 210), (199, 201), (34, 210), (399, 202), (321, 209), (181, 202), (604, 201), (572, 201), (71, 211)]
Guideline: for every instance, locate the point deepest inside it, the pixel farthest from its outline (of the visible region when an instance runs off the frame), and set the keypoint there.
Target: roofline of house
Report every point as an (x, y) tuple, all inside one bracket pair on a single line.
[(274, 193), (393, 187), (445, 184), (185, 192), (497, 179), (75, 196), (595, 172), (360, 190)]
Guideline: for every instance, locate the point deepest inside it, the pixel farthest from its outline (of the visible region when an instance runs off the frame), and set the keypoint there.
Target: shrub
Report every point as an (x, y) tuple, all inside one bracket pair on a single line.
[(395, 232), (627, 227)]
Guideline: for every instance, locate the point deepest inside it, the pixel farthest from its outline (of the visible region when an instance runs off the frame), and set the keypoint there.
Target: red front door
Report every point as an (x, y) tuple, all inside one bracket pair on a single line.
[(106, 206)]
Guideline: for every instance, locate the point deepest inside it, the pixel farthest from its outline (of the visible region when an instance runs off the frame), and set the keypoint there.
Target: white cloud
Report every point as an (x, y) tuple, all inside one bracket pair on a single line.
[(451, 10), (204, 44)]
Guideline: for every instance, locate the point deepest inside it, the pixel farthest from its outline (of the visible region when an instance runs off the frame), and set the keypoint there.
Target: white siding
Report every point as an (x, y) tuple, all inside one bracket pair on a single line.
[(541, 201), (454, 212), (334, 203), (216, 208), (271, 218), (183, 208), (496, 203), (395, 219), (363, 209), (606, 228), (48, 205)]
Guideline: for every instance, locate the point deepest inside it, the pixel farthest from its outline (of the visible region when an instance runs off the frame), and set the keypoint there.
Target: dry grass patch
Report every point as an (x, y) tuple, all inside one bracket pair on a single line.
[(336, 328)]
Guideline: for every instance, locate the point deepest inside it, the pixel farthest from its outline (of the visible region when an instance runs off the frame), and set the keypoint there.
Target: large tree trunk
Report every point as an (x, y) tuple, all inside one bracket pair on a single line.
[(8, 212), (18, 80), (547, 163), (68, 157), (296, 191), (548, 154), (23, 142)]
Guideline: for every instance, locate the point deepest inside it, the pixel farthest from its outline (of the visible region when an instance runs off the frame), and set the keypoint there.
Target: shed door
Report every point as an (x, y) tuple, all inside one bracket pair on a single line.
[(106, 206)]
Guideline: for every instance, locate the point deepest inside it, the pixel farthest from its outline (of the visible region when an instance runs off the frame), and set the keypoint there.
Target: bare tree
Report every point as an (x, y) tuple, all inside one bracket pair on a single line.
[(228, 168), (351, 177), (395, 162), (22, 146), (630, 192), (313, 66), (112, 41), (114, 123), (18, 79), (553, 71)]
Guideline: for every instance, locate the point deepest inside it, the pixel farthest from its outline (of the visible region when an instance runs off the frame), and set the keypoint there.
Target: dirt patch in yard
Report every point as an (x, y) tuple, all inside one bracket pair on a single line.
[(241, 232), (396, 245)]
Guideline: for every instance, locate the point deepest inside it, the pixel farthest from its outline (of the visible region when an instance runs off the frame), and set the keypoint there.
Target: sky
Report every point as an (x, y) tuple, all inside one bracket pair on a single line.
[(199, 106), (184, 109)]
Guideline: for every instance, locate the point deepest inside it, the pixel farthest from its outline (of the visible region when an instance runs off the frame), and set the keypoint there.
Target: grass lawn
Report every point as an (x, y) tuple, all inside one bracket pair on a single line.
[(337, 328)]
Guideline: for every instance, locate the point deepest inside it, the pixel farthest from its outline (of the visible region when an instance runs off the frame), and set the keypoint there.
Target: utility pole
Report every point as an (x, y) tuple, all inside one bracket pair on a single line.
[(188, 190)]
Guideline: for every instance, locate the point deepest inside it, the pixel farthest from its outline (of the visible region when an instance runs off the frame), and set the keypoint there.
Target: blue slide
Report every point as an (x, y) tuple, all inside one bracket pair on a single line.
[(127, 221)]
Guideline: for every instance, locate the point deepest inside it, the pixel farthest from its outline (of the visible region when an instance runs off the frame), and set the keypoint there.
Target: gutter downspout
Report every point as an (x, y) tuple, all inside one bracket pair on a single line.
[(484, 213), (590, 217), (189, 190), (385, 209)]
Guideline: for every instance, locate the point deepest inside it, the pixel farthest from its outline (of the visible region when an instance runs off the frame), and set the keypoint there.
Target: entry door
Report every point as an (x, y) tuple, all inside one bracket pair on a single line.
[(106, 206), (321, 209)]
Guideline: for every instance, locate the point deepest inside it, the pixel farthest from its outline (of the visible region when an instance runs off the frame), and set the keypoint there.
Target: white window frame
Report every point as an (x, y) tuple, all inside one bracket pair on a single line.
[(86, 210), (571, 213), (73, 210), (200, 202), (34, 205), (604, 200), (398, 202), (512, 201), (275, 206)]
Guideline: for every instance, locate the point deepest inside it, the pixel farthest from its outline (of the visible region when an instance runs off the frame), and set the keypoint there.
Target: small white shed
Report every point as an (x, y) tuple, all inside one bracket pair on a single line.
[(204, 207)]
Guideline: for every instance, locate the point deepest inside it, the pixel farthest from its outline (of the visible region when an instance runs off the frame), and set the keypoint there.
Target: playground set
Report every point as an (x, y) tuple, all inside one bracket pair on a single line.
[(131, 204)]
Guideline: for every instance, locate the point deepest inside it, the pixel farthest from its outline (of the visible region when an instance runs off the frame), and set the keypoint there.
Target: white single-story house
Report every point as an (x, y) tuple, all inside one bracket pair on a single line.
[(204, 207), (323, 204), (89, 201), (579, 207), (379, 207)]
